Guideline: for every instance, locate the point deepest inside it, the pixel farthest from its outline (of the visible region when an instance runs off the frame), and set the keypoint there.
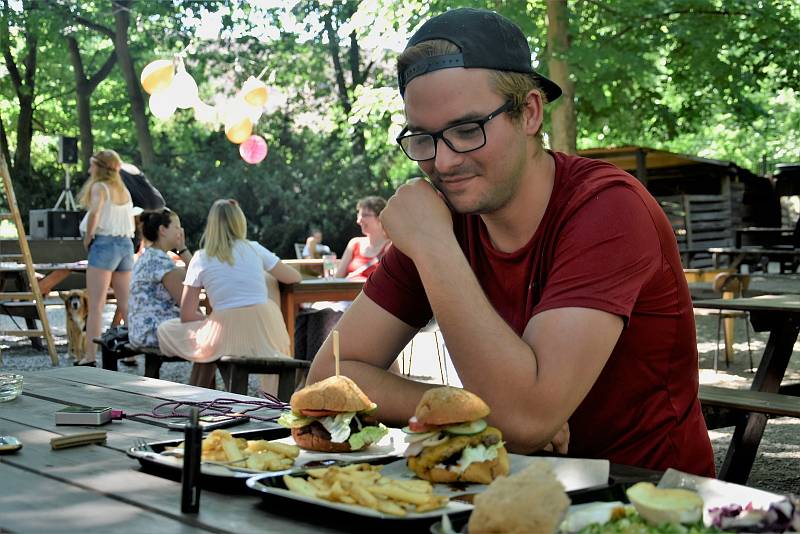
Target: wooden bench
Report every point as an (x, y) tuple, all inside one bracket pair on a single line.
[(725, 406), (235, 370)]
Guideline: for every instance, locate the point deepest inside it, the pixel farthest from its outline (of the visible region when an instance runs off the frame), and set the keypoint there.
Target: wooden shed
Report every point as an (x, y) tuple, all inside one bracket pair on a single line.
[(705, 199)]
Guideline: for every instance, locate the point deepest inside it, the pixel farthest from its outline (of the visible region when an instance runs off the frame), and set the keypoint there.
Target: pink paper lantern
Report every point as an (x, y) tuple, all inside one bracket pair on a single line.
[(253, 150)]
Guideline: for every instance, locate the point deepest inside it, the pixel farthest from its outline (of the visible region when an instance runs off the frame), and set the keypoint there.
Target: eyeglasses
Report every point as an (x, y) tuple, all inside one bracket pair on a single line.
[(462, 137)]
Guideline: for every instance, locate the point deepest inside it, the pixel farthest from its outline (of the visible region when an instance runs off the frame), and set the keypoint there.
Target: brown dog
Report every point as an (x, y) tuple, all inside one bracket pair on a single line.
[(77, 309)]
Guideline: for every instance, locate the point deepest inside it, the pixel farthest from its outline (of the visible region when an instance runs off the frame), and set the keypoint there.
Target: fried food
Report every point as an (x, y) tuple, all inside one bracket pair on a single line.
[(532, 501), (260, 455), (363, 485)]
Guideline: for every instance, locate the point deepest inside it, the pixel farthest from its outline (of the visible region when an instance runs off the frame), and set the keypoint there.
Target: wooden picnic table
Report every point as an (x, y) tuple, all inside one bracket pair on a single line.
[(753, 255), (780, 316), (314, 290), (98, 488)]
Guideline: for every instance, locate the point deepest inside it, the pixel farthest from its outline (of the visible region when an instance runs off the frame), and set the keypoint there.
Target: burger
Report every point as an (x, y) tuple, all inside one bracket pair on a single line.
[(327, 416), (449, 440)]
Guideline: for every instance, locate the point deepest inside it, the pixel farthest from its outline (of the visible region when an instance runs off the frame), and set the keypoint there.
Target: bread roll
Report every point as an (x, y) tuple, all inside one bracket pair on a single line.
[(448, 406)]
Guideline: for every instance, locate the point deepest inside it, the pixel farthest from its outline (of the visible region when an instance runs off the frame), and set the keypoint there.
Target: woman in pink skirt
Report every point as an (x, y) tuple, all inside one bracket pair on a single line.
[(244, 320)]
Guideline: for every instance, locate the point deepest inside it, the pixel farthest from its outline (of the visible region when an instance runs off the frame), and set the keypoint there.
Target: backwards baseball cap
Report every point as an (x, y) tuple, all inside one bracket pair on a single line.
[(486, 39)]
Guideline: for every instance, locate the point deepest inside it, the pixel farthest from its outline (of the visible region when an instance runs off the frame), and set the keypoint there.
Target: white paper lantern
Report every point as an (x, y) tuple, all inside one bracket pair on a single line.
[(184, 89), (205, 113), (162, 105)]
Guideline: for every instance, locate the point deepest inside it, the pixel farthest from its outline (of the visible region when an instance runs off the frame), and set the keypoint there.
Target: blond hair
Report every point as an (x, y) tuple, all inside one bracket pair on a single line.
[(512, 86), (226, 224), (106, 169)]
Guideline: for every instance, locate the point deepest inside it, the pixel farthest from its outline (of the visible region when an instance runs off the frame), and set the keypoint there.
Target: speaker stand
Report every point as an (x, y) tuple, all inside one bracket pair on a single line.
[(66, 194)]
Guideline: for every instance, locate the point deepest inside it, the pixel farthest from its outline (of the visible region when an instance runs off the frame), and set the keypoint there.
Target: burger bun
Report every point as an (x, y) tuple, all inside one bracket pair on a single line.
[(449, 406)]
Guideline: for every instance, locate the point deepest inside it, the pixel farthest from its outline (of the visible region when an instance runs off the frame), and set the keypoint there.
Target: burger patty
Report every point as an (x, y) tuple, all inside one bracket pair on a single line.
[(318, 430), (449, 452)]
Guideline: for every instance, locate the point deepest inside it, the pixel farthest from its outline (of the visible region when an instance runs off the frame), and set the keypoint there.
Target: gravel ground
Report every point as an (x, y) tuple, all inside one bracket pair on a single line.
[(777, 466)]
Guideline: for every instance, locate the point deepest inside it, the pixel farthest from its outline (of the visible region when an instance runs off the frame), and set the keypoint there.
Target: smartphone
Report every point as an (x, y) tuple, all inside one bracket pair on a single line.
[(212, 422)]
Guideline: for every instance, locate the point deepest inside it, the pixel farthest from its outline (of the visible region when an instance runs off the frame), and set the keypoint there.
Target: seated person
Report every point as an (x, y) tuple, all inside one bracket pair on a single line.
[(157, 282), (244, 320), (556, 280), (314, 247), (362, 254)]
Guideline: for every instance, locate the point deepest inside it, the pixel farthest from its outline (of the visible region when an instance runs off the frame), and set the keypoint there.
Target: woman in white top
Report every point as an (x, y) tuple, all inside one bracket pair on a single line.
[(107, 230), (244, 320)]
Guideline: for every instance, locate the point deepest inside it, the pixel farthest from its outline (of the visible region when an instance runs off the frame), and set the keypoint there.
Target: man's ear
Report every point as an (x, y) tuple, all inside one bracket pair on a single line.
[(532, 112)]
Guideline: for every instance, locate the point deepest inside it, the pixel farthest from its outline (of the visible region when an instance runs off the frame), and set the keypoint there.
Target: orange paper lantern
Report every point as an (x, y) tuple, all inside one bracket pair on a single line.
[(157, 75), (254, 92), (238, 131)]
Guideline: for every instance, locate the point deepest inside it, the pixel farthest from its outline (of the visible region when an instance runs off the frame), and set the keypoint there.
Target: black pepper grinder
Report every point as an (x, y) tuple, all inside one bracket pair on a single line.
[(192, 450)]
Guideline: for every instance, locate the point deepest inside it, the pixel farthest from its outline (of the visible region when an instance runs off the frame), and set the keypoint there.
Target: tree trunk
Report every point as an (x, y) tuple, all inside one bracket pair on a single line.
[(4, 150), (83, 98), (24, 86), (558, 43), (121, 24), (84, 87)]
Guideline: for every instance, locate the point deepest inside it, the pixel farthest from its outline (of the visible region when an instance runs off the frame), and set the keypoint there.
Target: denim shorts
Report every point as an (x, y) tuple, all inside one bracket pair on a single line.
[(111, 253)]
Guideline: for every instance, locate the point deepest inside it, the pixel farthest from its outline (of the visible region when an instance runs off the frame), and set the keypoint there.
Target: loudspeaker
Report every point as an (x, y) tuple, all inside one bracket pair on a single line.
[(47, 224), (68, 150)]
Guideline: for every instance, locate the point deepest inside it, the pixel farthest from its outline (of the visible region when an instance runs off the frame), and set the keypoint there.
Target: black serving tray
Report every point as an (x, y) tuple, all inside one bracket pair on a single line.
[(213, 478)]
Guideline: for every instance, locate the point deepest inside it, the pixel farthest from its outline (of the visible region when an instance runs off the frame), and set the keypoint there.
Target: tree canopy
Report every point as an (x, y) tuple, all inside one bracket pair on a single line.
[(715, 78)]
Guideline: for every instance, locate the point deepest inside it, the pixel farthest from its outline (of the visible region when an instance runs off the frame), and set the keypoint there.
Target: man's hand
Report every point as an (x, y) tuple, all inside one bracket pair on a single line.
[(560, 442), (416, 217)]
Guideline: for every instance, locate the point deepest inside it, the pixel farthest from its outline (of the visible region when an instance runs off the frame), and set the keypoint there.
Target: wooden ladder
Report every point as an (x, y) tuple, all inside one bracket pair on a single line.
[(35, 293)]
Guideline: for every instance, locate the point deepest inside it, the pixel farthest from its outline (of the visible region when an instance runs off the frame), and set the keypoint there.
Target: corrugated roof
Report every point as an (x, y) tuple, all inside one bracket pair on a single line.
[(625, 158)]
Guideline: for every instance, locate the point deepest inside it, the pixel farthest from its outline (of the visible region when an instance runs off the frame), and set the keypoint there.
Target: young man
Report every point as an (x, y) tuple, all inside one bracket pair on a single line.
[(556, 280)]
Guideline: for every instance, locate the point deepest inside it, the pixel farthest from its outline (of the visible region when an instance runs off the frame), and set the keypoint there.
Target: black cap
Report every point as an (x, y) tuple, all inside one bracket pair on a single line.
[(486, 39)]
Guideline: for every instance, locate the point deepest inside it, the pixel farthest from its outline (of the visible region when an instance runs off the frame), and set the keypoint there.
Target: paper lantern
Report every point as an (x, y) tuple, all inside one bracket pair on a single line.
[(253, 150), (162, 105), (205, 113), (184, 89), (238, 131), (254, 92), (157, 76)]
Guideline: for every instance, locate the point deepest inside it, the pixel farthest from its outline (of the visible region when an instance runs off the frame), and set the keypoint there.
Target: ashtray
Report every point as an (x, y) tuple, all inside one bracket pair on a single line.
[(10, 386)]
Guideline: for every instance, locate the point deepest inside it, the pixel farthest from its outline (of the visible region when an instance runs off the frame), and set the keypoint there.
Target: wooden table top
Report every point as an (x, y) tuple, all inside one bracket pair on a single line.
[(98, 488), (768, 303)]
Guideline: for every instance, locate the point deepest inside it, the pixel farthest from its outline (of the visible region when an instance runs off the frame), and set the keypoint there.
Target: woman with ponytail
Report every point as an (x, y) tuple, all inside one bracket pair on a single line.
[(244, 320)]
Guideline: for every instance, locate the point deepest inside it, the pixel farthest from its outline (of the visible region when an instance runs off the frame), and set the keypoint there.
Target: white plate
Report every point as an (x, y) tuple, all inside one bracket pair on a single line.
[(573, 473), (390, 445)]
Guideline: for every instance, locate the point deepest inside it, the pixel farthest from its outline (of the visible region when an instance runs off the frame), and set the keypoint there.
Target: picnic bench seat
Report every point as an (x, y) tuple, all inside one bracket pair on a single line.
[(235, 370), (725, 406)]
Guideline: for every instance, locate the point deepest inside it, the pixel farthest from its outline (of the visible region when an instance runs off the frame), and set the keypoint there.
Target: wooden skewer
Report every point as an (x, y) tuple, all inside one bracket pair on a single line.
[(336, 350)]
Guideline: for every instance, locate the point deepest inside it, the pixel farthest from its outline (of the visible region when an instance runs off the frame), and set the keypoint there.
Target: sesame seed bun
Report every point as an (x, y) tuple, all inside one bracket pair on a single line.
[(335, 393), (448, 406)]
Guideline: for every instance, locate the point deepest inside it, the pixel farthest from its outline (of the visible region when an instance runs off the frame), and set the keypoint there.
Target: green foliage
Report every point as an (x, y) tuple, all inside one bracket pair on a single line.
[(709, 77)]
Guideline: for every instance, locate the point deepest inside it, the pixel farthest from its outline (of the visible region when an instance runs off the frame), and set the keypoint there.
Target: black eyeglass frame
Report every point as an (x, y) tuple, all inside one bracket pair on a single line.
[(507, 106)]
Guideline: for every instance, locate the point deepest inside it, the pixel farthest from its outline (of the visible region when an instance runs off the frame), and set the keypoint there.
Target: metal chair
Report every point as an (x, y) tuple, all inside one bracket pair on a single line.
[(730, 286), (431, 327)]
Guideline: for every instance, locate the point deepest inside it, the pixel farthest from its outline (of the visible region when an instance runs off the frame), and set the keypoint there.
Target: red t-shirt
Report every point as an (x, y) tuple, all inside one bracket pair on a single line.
[(603, 243)]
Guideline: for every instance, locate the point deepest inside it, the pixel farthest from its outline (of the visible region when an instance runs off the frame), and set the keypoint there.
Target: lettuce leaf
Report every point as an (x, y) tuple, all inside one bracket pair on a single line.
[(292, 420), (367, 436), (478, 453), (338, 426)]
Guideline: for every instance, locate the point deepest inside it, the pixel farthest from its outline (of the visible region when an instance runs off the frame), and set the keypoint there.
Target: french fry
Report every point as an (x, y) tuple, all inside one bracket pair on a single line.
[(290, 451), (399, 494), (388, 507), (232, 451), (299, 485)]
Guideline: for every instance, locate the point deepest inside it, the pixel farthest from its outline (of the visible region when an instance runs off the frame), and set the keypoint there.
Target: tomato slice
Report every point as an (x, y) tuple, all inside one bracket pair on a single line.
[(318, 413), (416, 426)]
